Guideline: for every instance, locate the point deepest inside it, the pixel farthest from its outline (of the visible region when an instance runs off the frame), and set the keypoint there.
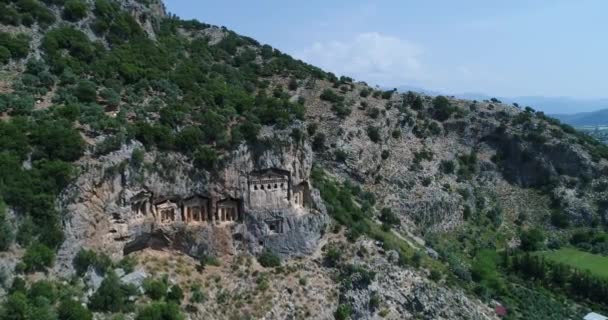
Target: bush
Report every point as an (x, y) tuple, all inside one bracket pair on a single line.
[(341, 155), (318, 142), (156, 289), (447, 166), (269, 260), (87, 258), (387, 216), (385, 154), (373, 113), (75, 10), (176, 294), (38, 257), (559, 219), (332, 256), (330, 96), (374, 134), (160, 311), (343, 312)]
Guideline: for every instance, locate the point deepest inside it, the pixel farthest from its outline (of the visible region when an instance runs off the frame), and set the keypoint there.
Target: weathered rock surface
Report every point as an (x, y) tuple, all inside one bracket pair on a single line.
[(103, 207)]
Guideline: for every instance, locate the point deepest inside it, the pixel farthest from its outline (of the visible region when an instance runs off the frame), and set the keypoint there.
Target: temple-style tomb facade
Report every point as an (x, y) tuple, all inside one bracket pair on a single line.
[(268, 190)]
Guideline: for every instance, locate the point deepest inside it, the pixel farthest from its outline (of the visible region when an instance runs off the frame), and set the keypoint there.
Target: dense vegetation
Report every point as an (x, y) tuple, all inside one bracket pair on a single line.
[(202, 101)]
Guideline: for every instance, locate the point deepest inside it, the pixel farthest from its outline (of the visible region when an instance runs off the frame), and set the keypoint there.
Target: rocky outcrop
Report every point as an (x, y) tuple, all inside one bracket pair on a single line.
[(403, 293), (111, 206)]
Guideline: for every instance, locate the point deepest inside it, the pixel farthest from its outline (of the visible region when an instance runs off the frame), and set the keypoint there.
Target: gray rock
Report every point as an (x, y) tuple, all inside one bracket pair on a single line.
[(135, 278)]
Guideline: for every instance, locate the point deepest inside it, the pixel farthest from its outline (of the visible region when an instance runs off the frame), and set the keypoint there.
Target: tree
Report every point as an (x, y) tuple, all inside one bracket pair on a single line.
[(442, 108), (532, 239), (38, 257), (73, 310), (111, 296), (5, 55), (205, 158), (15, 307), (75, 10), (6, 231), (86, 91)]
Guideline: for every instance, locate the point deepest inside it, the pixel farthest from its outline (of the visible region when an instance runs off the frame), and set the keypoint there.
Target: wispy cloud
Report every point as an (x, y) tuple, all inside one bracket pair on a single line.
[(371, 56)]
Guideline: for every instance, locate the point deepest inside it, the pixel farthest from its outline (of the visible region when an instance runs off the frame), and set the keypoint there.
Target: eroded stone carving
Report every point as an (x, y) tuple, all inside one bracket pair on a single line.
[(269, 189), (167, 211), (196, 210)]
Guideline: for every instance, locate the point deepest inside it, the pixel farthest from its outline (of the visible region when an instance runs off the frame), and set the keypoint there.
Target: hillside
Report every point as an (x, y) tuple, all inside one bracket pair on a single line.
[(156, 168)]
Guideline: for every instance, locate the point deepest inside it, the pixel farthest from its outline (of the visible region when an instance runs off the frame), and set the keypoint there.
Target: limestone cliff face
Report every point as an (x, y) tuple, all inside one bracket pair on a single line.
[(119, 206)]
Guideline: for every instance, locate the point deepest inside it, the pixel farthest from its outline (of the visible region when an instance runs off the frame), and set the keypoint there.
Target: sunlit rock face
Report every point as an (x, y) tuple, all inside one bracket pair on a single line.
[(255, 202)]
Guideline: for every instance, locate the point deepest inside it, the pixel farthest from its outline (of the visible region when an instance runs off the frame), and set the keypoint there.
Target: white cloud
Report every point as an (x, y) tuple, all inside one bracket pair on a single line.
[(371, 57)]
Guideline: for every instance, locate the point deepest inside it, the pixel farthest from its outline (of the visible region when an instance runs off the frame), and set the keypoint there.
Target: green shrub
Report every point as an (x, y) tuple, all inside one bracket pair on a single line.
[(532, 239), (127, 264), (175, 294), (207, 260), (156, 289), (330, 96), (197, 295), (269, 260), (38, 257), (387, 94), (15, 307), (396, 134), (447, 166), (385, 154), (389, 217), (332, 256), (343, 312), (374, 134), (205, 158), (88, 258), (341, 155), (18, 45), (318, 142), (373, 113)]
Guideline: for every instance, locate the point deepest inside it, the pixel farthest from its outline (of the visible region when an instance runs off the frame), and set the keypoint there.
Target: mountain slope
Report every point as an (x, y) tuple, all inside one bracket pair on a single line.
[(177, 152)]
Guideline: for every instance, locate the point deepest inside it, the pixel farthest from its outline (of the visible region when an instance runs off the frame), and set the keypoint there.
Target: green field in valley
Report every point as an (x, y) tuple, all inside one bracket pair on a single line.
[(596, 264)]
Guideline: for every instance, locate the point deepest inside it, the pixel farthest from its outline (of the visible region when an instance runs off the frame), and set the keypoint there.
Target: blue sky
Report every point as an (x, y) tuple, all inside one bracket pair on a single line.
[(499, 48)]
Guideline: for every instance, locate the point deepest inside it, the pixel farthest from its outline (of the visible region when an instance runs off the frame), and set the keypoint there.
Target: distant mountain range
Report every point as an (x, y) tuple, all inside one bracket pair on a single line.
[(558, 106), (595, 118)]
